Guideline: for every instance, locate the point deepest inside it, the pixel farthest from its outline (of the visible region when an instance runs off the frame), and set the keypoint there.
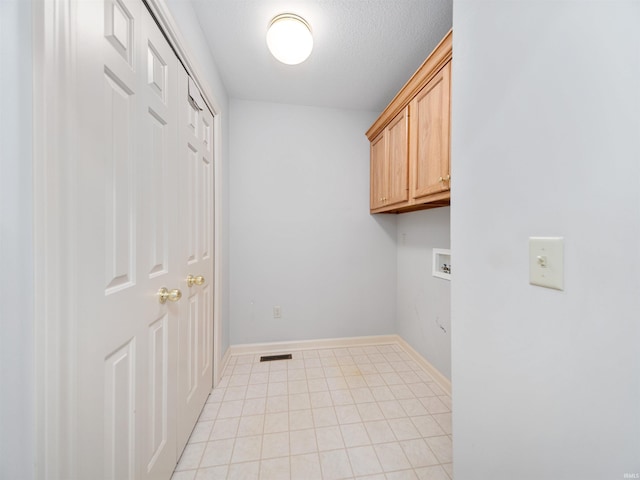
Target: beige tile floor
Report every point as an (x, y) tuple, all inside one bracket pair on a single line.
[(338, 413)]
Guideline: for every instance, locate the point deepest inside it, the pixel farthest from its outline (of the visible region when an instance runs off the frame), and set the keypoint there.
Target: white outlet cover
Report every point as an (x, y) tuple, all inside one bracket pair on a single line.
[(546, 262)]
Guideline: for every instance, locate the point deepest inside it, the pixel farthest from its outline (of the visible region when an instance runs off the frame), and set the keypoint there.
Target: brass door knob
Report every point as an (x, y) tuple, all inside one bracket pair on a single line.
[(191, 280), (165, 294)]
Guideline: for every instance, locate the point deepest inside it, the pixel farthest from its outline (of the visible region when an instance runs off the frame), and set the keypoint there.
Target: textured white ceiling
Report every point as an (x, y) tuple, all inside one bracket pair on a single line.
[(364, 50)]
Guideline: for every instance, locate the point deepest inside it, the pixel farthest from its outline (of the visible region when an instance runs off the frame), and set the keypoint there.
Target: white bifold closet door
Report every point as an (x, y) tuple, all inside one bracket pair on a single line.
[(195, 369), (145, 209)]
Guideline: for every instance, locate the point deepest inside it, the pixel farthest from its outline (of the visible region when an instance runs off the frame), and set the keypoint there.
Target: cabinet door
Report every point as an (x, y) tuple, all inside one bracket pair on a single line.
[(430, 131), (378, 171), (397, 159)]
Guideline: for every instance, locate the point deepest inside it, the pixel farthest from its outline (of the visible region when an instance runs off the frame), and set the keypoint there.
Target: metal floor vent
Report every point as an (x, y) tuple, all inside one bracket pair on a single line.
[(270, 358)]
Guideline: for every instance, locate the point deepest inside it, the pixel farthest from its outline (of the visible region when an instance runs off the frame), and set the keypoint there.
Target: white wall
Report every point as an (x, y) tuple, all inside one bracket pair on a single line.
[(546, 141), (17, 377), (301, 234), (424, 301), (189, 25)]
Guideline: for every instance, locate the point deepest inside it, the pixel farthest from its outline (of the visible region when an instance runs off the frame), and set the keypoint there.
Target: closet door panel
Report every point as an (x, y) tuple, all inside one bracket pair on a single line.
[(159, 246), (126, 186), (195, 374)]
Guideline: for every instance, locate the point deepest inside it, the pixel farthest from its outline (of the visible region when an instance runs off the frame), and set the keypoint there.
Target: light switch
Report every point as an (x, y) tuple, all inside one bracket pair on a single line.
[(546, 262)]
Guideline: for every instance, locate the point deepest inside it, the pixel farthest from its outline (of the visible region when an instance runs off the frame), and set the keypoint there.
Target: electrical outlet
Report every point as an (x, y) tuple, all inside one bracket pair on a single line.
[(277, 312)]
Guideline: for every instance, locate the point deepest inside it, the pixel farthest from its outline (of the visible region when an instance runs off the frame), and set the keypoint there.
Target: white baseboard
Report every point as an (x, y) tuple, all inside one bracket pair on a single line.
[(442, 381), (284, 347), (223, 365), (294, 346)]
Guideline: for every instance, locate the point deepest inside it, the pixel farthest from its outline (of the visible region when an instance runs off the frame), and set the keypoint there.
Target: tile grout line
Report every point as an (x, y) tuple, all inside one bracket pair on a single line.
[(331, 365)]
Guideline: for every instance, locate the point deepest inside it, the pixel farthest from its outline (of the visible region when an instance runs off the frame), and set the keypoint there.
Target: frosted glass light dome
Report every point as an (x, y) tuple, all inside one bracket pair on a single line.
[(289, 38)]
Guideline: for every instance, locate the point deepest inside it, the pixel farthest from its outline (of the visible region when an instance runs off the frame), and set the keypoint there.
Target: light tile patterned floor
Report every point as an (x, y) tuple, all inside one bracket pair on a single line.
[(359, 412)]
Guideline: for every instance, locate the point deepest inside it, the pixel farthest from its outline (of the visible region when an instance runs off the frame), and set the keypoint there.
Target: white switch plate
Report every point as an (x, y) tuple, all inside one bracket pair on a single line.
[(546, 259)]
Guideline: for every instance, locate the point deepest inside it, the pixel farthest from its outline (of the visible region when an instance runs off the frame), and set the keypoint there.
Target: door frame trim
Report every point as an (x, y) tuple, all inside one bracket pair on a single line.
[(55, 223)]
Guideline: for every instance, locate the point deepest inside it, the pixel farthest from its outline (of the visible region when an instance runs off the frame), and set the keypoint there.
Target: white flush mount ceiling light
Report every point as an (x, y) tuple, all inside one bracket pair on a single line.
[(289, 38)]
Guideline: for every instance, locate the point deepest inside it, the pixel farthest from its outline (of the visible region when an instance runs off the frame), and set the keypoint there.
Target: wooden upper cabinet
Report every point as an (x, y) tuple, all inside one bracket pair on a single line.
[(410, 166), (430, 132), (397, 154), (378, 171), (389, 164)]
